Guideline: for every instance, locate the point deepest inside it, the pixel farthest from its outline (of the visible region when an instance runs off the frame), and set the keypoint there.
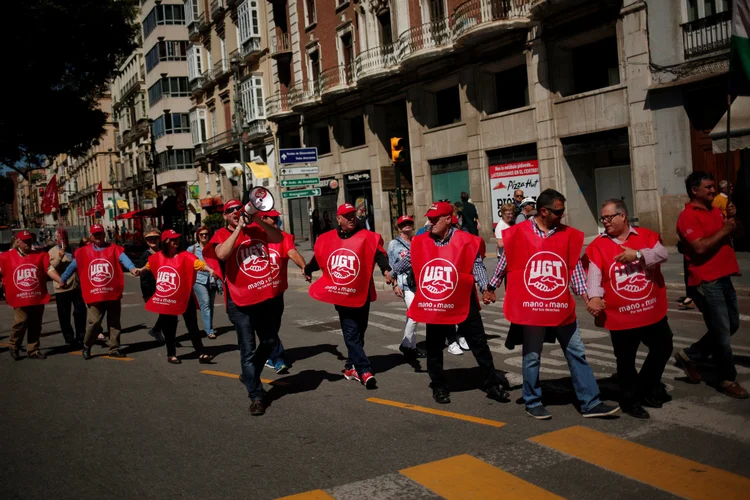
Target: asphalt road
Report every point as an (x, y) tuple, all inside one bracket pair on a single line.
[(143, 428)]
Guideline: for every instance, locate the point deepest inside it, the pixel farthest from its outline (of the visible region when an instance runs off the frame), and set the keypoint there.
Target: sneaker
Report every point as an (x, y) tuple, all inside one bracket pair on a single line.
[(368, 380), (351, 374), (601, 410), (498, 394), (463, 344), (688, 366), (731, 389), (157, 335), (538, 412), (411, 353), (455, 349), (636, 411), (270, 364), (280, 367)]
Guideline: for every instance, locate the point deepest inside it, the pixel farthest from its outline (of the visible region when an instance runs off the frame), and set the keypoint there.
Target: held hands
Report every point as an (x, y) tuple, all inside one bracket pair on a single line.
[(136, 271), (397, 290), (308, 278), (388, 278), (627, 256), (489, 297), (596, 306)]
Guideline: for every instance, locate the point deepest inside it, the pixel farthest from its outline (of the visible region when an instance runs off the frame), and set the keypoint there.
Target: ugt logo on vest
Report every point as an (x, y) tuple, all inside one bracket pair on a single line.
[(167, 281), (438, 279), (26, 278), (546, 275), (100, 272), (343, 266), (252, 259), (275, 258), (629, 281)]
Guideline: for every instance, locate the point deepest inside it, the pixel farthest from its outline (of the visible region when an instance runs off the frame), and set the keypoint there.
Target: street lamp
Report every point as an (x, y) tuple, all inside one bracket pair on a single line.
[(154, 160), (112, 181), (238, 123)]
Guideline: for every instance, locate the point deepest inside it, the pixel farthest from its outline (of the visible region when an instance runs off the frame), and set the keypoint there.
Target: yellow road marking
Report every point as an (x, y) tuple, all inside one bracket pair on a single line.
[(309, 495), (79, 353), (236, 376), (676, 475), (464, 477), (3, 344), (432, 411)]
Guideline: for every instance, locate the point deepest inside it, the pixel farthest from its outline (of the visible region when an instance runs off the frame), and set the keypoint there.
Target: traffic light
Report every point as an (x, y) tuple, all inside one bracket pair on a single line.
[(398, 149)]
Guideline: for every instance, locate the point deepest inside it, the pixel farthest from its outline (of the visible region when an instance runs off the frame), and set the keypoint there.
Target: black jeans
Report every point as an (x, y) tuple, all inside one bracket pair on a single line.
[(278, 311), (168, 324), (473, 329), (65, 302), (635, 385), (354, 325)]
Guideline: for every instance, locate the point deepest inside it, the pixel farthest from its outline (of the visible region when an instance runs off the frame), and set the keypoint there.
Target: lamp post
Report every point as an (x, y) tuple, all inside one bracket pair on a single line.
[(238, 123), (155, 166), (112, 181)]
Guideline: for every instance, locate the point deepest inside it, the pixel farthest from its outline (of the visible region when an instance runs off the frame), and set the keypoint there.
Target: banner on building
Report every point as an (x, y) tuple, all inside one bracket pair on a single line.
[(506, 178), (99, 205), (51, 201), (195, 192)]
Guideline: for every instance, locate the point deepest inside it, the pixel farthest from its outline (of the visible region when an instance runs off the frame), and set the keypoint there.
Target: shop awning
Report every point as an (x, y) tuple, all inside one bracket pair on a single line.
[(260, 170), (207, 202), (127, 215), (739, 131), (151, 212), (123, 205)]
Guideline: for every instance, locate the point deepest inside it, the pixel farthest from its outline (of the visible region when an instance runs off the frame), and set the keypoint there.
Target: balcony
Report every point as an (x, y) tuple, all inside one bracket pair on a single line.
[(375, 62), (281, 46), (251, 47), (707, 35), (217, 9), (220, 141), (130, 86), (196, 84), (235, 56), (118, 141), (474, 19), (221, 68), (254, 128), (336, 80), (207, 77), (195, 27), (425, 41), (304, 94), (204, 25), (278, 106), (201, 150)]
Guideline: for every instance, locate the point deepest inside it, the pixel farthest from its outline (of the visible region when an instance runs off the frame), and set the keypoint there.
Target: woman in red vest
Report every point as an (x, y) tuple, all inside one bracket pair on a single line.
[(175, 273), (24, 273)]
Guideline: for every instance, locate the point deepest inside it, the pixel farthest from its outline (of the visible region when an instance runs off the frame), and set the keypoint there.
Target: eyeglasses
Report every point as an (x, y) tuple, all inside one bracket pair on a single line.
[(608, 218), (202, 235), (559, 212)]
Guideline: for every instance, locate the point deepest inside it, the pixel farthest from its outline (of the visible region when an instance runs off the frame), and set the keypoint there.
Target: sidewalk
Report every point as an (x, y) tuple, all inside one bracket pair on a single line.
[(672, 270)]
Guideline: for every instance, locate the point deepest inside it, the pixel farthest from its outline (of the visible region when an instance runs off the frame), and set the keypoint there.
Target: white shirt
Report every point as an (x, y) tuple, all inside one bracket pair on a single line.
[(499, 229)]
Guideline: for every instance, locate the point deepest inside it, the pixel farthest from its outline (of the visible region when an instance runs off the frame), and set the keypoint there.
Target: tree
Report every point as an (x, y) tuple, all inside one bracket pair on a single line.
[(61, 57)]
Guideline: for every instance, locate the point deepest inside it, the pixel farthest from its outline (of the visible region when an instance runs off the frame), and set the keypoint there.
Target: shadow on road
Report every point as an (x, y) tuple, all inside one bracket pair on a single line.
[(304, 381), (295, 354)]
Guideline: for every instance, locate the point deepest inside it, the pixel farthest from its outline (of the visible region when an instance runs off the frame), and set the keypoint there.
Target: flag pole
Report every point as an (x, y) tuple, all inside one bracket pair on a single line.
[(729, 151)]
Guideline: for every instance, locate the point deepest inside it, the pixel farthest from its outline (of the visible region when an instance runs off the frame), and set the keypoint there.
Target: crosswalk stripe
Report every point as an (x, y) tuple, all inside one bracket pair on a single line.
[(667, 472), (432, 411), (309, 495), (464, 477), (102, 356)]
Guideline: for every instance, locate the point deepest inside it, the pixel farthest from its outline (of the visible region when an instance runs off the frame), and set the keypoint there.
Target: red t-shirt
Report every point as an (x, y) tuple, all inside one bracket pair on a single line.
[(698, 222)]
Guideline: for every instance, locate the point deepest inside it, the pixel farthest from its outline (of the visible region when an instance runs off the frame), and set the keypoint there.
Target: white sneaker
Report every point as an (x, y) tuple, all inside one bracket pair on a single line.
[(455, 349), (462, 343)]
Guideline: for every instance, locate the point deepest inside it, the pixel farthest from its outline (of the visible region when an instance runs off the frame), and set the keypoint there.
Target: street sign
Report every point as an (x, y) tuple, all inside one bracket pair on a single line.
[(308, 181), (299, 170), (298, 155), (300, 193)]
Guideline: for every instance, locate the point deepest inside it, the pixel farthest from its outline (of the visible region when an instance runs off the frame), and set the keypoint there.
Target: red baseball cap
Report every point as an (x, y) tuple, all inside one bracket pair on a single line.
[(96, 228), (439, 208), (169, 234), (232, 204), (24, 236), (269, 213), (404, 218), (346, 208)]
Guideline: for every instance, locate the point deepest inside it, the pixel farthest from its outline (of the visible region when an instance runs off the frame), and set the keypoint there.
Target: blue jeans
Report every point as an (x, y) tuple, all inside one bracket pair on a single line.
[(249, 321), (278, 311), (353, 325), (206, 294), (584, 383), (717, 300)]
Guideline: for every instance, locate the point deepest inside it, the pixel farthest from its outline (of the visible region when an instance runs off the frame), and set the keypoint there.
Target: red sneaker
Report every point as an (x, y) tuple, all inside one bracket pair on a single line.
[(368, 379), (351, 374)]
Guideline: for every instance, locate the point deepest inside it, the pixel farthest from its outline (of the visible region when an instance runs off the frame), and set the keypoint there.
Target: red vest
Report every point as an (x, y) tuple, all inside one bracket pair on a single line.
[(175, 278), (100, 273), (347, 268), (25, 278), (445, 278), (247, 273), (279, 254), (538, 275), (635, 296)]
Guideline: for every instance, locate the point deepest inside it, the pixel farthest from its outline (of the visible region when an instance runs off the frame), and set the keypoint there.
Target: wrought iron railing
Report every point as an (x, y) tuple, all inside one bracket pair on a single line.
[(336, 77), (280, 44), (220, 68), (278, 104), (426, 36), (220, 140), (304, 92), (476, 12), (374, 60), (217, 8), (255, 128), (707, 35), (251, 46)]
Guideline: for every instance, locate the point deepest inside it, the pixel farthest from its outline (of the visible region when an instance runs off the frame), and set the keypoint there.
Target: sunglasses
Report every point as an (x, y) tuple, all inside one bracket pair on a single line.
[(231, 210), (608, 218), (152, 238), (201, 235), (559, 212)]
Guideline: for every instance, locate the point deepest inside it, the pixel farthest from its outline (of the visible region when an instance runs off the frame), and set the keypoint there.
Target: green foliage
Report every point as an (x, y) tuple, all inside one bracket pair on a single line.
[(214, 221)]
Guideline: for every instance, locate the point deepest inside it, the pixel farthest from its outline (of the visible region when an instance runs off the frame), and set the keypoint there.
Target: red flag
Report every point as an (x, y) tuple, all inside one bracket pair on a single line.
[(99, 207), (50, 200)]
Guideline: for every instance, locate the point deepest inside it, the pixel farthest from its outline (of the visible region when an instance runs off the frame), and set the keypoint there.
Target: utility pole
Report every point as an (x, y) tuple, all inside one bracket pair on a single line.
[(238, 123), (155, 166), (112, 182)]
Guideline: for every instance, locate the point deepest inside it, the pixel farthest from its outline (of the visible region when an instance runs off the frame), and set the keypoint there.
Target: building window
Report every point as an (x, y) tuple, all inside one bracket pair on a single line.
[(313, 72), (248, 21), (386, 31), (198, 126), (163, 15), (176, 159), (168, 50), (354, 132), (176, 86), (511, 89), (191, 11), (447, 106), (310, 10), (195, 68), (171, 123), (323, 140), (251, 91), (595, 65)]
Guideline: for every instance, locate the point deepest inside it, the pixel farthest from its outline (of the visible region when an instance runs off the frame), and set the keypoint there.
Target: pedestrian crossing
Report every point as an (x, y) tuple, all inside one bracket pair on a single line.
[(468, 477)]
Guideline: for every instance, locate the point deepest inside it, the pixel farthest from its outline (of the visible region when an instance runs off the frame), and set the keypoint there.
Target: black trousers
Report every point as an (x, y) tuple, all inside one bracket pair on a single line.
[(473, 329), (633, 384), (168, 324), (67, 301)]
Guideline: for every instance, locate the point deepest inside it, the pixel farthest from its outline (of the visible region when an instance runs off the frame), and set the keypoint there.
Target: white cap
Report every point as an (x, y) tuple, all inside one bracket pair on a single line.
[(526, 201)]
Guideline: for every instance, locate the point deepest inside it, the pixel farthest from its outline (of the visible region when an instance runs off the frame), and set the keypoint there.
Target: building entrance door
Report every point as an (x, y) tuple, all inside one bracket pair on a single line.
[(299, 222), (450, 185), (614, 183)]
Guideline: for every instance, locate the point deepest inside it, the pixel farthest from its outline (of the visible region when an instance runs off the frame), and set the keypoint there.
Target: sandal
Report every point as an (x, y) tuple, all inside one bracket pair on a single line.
[(687, 304), (174, 360), (211, 336), (205, 359)]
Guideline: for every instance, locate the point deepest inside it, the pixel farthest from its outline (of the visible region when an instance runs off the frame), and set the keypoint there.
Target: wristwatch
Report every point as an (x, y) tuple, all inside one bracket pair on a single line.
[(638, 255)]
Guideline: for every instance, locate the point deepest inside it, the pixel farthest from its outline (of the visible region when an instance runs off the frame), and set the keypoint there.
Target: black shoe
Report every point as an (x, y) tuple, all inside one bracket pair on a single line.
[(116, 354), (538, 412), (86, 353), (257, 408), (411, 353), (498, 394), (636, 411), (15, 354), (37, 355), (651, 402), (601, 410), (441, 396)]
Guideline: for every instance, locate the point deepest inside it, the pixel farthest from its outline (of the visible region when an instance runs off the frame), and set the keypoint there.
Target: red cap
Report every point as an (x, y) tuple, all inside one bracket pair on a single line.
[(346, 208), (405, 218), (454, 220), (169, 234), (96, 228), (232, 204), (439, 208), (24, 236), (269, 213)]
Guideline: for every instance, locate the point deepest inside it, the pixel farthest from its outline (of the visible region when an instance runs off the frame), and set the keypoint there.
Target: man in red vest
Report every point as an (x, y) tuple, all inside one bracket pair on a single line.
[(624, 268), (24, 273), (348, 255), (447, 263), (280, 254), (240, 254), (542, 262), (102, 284)]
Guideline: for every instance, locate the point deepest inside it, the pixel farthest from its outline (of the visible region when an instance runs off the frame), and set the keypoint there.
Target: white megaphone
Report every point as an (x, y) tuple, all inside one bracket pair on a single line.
[(261, 200)]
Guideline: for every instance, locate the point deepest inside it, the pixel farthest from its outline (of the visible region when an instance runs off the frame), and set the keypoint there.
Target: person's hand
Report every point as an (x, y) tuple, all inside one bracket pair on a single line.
[(731, 210), (596, 306), (397, 290), (388, 278), (627, 256), (135, 272), (213, 274), (489, 297), (308, 278), (730, 225), (63, 284)]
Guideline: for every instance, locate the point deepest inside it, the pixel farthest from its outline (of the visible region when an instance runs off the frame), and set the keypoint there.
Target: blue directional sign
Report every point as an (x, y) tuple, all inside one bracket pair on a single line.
[(298, 155)]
